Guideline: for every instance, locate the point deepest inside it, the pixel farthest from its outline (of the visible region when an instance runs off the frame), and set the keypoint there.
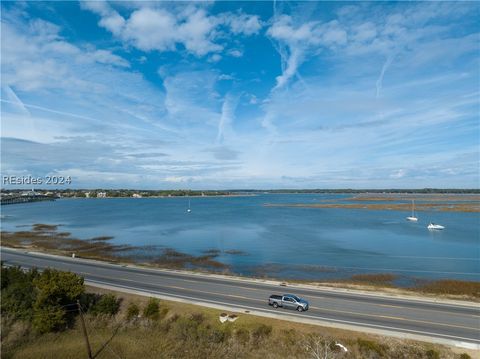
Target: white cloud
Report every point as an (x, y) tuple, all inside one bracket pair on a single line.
[(400, 173), (235, 53), (240, 23), (191, 100), (106, 57), (215, 58), (296, 40), (379, 82), (224, 77), (253, 100), (364, 32), (158, 29), (36, 56), (227, 118)]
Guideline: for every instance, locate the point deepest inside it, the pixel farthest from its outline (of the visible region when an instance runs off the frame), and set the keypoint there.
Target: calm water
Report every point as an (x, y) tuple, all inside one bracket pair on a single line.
[(280, 241)]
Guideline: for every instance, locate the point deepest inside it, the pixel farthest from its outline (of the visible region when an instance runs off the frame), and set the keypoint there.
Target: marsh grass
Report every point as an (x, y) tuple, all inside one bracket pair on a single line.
[(170, 258), (419, 207), (447, 203), (236, 252), (46, 238), (44, 227), (450, 287), (382, 279)]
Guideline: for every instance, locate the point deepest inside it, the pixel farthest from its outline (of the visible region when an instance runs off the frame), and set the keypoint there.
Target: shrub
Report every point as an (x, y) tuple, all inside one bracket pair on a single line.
[(152, 310), (58, 288), (18, 292), (465, 356), (218, 335), (55, 291), (11, 275), (289, 337), (262, 331), (369, 346), (108, 304), (132, 311), (88, 300), (197, 318), (48, 318), (163, 312), (42, 299), (432, 354), (242, 335), (186, 329), (173, 318), (18, 299)]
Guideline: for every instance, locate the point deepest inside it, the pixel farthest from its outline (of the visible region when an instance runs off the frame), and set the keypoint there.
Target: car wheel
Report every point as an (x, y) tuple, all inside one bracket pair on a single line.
[(275, 305), (300, 309)]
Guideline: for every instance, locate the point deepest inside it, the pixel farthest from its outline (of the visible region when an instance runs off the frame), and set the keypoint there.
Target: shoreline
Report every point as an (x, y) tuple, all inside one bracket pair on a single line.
[(467, 291)]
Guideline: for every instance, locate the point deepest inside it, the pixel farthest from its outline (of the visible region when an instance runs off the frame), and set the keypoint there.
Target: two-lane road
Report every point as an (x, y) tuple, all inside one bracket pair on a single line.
[(453, 322)]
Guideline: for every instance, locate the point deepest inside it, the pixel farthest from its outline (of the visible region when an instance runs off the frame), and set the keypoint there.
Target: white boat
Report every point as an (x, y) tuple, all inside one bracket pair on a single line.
[(188, 209), (435, 226), (412, 217)]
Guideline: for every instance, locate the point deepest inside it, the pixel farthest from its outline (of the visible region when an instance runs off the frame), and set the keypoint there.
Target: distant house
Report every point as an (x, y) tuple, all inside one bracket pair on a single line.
[(29, 193), (101, 194), (136, 195), (87, 194)]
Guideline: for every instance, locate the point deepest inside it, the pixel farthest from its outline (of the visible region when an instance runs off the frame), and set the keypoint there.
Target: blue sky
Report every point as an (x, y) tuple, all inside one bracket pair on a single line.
[(220, 95)]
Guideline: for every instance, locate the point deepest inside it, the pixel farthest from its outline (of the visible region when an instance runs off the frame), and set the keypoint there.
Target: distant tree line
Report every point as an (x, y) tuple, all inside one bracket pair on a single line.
[(112, 193), (349, 190)]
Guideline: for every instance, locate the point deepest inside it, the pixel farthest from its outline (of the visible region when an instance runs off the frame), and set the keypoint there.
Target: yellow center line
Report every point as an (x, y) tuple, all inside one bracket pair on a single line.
[(394, 318), (389, 317), (195, 281), (390, 306)]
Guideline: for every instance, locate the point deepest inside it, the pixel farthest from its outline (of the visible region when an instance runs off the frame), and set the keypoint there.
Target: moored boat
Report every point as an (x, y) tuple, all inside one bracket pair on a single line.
[(435, 226)]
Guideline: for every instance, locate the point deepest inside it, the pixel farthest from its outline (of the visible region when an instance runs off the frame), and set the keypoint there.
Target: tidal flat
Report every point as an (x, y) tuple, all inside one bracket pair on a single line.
[(397, 202)]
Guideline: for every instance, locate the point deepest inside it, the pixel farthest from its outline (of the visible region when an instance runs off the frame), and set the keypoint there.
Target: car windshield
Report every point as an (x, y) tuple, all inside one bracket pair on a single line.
[(294, 297)]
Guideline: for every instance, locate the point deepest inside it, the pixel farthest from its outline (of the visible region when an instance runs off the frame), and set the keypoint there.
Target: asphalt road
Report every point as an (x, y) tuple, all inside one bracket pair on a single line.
[(459, 323)]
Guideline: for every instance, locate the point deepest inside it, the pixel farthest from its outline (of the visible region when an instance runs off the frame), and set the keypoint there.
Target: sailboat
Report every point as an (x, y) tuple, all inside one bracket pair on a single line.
[(188, 209), (412, 217), (435, 226)]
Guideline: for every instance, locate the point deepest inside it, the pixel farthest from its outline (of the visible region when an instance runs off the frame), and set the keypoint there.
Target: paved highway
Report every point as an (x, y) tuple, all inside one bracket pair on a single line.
[(451, 322)]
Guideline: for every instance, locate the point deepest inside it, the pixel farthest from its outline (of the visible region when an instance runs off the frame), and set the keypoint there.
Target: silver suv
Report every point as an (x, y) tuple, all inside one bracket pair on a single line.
[(288, 301)]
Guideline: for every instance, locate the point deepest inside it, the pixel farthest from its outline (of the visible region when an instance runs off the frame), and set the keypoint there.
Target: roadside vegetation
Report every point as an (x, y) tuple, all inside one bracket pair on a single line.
[(441, 288), (40, 319)]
